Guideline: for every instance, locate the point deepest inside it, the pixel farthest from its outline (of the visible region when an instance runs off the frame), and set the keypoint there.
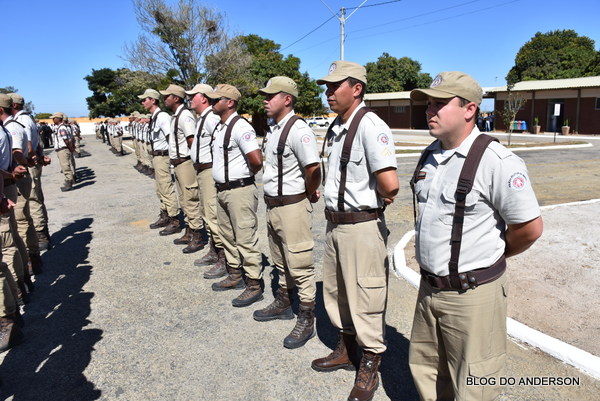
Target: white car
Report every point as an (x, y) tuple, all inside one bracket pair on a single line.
[(319, 122)]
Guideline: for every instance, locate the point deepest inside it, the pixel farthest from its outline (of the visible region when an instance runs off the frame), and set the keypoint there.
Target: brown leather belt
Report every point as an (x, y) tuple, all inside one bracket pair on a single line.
[(63, 148), (244, 182), (202, 166), (160, 153), (276, 201), (352, 217), (178, 161), (474, 277)]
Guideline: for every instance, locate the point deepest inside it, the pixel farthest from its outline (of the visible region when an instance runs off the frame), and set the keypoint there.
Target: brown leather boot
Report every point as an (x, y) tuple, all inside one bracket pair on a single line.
[(186, 238), (251, 294), (172, 227), (280, 308), (367, 379), (234, 280), (43, 240), (196, 243), (218, 270), (210, 258), (339, 358), (163, 220), (67, 186), (10, 333), (305, 327), (36, 263)]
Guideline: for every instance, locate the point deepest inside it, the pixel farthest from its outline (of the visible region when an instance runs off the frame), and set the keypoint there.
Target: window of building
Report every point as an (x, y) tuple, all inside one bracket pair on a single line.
[(598, 103), (399, 109)]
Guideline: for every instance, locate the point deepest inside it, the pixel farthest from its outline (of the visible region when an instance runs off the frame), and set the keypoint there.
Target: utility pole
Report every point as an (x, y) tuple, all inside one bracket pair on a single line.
[(342, 18)]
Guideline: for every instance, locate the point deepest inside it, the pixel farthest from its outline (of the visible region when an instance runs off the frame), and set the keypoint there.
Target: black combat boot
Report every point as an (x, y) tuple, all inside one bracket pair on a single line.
[(305, 327)]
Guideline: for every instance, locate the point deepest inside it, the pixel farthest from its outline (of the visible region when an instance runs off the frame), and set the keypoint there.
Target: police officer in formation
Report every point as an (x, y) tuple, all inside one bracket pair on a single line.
[(459, 327), (291, 177), (64, 147)]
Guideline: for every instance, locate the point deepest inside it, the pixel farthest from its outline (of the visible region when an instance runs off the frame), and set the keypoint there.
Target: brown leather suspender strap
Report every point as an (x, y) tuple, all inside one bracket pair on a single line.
[(415, 176), (346, 150), (226, 145), (199, 134), (280, 148), (464, 186), (176, 129)]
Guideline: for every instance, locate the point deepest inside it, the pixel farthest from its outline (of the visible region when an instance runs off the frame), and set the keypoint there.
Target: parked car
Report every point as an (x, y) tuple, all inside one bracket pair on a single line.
[(319, 122)]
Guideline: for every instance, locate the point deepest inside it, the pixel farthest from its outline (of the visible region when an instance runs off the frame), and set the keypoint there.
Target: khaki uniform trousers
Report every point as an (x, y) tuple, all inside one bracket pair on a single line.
[(137, 145), (189, 199), (457, 335), (208, 204), (146, 155), (236, 215), (291, 244), (64, 157), (165, 190), (37, 208), (9, 290), (77, 144), (118, 143), (23, 215), (355, 280), (14, 252)]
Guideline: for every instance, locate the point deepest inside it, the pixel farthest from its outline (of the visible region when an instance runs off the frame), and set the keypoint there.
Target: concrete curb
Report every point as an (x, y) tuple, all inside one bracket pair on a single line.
[(560, 350)]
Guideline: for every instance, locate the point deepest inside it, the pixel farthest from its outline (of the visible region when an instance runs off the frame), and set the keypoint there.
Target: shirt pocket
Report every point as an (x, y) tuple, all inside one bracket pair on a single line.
[(448, 203), (357, 169)]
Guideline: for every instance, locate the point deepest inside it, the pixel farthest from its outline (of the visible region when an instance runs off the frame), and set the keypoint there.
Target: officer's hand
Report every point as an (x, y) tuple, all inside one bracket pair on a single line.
[(388, 201), (5, 205), (314, 198), (19, 172), (47, 160)]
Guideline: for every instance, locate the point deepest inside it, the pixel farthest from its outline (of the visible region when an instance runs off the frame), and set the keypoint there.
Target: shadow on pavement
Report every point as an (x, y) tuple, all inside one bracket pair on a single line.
[(49, 365), (85, 176)]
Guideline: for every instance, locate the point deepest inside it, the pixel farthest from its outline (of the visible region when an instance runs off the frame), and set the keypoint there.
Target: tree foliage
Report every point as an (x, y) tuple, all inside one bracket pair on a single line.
[(251, 62), (176, 38), (114, 92), (28, 106), (555, 55), (512, 105), (391, 74)]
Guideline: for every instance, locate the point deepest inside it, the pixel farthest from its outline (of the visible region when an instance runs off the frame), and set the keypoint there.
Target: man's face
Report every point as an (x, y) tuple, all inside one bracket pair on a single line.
[(220, 105), (56, 120), (196, 101), (274, 104), (170, 100), (341, 95), (445, 117), (147, 103)]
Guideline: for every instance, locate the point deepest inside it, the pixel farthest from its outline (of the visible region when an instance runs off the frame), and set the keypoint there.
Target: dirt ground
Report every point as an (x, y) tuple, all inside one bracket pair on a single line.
[(554, 285)]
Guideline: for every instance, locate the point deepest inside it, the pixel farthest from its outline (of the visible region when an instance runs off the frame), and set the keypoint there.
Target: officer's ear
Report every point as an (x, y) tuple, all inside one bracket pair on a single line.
[(470, 110)]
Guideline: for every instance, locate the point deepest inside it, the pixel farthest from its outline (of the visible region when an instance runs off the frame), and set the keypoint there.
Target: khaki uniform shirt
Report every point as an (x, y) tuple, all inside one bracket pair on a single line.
[(300, 151), (161, 129), (501, 194), (200, 150), (242, 142), (372, 150), (178, 146)]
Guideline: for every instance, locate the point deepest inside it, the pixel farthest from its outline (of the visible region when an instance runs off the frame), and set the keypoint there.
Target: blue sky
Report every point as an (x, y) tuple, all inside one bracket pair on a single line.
[(60, 42)]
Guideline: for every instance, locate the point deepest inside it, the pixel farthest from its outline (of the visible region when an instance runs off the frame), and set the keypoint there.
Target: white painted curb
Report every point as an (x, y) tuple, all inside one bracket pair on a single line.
[(560, 350)]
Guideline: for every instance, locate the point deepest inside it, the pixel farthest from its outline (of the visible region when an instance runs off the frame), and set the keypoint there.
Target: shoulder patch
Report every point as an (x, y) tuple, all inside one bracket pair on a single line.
[(517, 181)]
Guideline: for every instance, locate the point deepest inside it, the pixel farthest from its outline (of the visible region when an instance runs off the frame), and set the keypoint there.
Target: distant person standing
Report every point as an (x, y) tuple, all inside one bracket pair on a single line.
[(63, 146)]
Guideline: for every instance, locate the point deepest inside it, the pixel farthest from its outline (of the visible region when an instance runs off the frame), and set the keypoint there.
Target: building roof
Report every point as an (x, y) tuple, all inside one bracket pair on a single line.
[(388, 96), (549, 84)]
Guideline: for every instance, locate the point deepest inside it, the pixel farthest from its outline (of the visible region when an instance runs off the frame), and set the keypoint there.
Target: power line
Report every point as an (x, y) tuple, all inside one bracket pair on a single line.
[(373, 5), (293, 43)]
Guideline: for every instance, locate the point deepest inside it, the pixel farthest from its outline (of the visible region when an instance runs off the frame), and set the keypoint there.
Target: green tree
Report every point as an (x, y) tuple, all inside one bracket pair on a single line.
[(261, 60), (114, 92), (42, 116), (176, 38), (28, 106), (391, 74), (555, 55)]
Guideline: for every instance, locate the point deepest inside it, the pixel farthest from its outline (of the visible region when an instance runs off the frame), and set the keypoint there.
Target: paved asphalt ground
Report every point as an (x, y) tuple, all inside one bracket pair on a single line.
[(120, 313)]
